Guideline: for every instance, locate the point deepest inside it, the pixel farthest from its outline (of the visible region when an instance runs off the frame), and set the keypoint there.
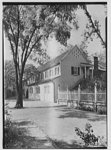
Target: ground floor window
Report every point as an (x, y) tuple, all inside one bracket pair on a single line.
[(31, 90), (37, 89), (47, 89)]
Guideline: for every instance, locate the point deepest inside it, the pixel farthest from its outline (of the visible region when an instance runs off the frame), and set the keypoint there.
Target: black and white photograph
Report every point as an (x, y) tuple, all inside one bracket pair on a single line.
[(55, 71)]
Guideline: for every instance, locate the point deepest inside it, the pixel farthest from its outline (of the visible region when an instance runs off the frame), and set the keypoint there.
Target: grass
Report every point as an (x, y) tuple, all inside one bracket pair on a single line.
[(12, 135), (16, 137)]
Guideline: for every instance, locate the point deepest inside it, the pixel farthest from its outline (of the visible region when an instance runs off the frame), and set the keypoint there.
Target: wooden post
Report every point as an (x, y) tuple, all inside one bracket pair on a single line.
[(92, 73), (80, 70), (58, 94), (85, 72), (67, 93), (78, 94), (95, 97)]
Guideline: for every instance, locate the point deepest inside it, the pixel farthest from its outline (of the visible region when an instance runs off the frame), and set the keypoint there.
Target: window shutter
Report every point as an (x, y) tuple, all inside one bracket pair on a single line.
[(72, 70), (78, 70)]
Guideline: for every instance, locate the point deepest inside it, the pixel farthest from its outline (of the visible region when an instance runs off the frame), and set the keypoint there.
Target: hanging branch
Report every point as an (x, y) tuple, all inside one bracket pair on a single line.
[(93, 25)]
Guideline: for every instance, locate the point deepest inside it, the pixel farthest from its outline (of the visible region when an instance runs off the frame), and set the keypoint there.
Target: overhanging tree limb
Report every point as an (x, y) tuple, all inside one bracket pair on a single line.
[(28, 54), (93, 25)]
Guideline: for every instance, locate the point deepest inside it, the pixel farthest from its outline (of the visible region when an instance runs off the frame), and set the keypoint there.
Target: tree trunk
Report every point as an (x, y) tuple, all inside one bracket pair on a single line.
[(19, 103)]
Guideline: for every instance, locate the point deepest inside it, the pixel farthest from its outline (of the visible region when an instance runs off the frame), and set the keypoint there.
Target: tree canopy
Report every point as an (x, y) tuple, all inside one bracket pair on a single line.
[(26, 26)]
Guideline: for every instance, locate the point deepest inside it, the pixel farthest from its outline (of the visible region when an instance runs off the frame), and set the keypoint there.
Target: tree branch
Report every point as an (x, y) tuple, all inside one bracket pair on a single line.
[(93, 26), (33, 46), (18, 29), (13, 34), (11, 45)]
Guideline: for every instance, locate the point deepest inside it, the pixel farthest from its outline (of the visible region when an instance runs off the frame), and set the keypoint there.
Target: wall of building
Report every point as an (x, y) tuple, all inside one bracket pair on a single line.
[(32, 93), (47, 92), (67, 80), (73, 59)]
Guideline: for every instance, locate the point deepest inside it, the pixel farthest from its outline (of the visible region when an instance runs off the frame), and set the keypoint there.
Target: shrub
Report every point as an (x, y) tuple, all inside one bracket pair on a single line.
[(102, 110), (85, 107), (11, 132), (89, 138)]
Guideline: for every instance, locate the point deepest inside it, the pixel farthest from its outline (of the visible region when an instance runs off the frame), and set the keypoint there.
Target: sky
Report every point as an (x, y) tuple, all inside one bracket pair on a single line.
[(53, 47)]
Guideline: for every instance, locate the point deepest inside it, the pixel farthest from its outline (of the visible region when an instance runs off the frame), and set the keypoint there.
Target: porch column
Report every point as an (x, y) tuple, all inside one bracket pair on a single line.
[(80, 70), (92, 73), (85, 71)]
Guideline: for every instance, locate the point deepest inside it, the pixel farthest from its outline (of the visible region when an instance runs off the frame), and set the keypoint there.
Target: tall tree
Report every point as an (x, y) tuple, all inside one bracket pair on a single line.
[(26, 26)]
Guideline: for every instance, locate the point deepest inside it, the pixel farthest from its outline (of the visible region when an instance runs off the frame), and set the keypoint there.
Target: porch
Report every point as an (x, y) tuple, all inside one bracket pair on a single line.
[(85, 69)]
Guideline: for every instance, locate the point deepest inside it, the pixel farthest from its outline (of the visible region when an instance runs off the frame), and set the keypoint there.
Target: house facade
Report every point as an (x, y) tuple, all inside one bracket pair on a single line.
[(64, 71)]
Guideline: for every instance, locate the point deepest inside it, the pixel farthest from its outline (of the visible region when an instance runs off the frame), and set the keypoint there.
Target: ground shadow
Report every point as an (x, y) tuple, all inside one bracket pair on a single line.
[(38, 107), (23, 123), (75, 113), (22, 139), (28, 142), (74, 145)]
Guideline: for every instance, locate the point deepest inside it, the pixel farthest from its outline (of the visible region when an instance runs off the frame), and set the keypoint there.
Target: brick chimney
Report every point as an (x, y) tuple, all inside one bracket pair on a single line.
[(95, 66)]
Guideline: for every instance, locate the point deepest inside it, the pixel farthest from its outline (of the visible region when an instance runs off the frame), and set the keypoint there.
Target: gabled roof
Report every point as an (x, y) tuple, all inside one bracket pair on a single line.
[(58, 59), (52, 62)]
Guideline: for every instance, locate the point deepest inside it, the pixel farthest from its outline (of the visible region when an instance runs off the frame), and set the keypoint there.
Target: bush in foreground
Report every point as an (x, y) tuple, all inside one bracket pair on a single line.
[(89, 138), (11, 131)]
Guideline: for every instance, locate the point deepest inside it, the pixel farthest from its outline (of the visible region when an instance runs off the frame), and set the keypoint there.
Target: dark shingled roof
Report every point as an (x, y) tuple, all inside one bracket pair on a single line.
[(56, 61), (52, 62)]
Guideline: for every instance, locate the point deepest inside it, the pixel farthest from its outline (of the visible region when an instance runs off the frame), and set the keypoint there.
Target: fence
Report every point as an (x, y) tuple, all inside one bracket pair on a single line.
[(77, 98)]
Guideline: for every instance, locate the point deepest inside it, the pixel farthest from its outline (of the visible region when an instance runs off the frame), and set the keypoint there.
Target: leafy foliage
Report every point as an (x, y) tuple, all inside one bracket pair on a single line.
[(88, 137), (26, 26), (92, 28), (88, 84), (102, 110), (11, 132)]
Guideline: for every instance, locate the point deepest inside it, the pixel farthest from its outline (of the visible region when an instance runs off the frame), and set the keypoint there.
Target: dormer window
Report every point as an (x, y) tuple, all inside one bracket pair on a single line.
[(52, 72)]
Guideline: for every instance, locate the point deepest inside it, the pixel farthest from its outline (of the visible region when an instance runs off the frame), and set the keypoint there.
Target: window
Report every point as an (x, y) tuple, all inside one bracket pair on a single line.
[(42, 75), (31, 90), (37, 89), (46, 74), (75, 70), (56, 71), (50, 73), (46, 89)]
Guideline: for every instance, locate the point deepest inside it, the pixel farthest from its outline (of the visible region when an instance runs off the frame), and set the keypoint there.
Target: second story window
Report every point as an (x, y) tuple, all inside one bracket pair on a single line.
[(46, 74), (75, 70), (56, 71), (51, 73)]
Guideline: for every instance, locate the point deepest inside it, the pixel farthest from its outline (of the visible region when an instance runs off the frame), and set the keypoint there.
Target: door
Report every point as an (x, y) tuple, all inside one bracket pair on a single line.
[(49, 92), (46, 92)]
